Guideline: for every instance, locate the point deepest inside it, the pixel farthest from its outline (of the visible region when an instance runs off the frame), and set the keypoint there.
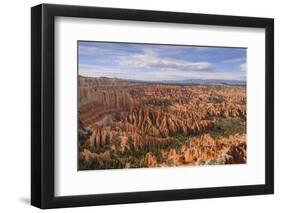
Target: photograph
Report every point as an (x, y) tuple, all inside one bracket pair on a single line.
[(160, 105)]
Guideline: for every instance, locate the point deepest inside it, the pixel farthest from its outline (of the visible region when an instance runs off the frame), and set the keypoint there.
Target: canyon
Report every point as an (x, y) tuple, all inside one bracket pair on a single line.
[(130, 124)]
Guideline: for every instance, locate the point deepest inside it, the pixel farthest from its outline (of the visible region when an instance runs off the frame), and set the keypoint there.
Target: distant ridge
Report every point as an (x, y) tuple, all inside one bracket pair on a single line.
[(203, 81), (183, 81), (193, 81)]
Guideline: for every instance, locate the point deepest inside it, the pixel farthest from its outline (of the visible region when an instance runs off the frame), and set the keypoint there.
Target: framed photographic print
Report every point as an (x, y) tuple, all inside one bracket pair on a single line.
[(140, 106)]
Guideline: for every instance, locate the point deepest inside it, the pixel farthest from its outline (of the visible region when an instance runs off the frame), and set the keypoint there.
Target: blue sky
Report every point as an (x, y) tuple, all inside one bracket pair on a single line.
[(147, 62)]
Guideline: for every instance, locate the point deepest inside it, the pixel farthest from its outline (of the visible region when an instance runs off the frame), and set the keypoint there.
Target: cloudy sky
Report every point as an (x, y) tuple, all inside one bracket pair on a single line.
[(160, 62)]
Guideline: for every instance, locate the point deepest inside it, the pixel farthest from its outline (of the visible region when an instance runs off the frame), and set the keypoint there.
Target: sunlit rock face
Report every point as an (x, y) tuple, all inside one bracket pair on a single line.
[(125, 124)]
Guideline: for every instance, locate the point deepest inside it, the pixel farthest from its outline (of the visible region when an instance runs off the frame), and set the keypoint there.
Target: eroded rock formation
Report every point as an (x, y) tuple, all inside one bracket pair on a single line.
[(148, 125)]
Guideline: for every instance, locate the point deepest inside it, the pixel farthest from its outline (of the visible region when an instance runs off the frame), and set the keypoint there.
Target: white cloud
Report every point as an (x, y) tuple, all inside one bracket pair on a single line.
[(243, 67), (157, 75), (87, 50), (97, 51), (152, 67), (234, 60), (150, 59)]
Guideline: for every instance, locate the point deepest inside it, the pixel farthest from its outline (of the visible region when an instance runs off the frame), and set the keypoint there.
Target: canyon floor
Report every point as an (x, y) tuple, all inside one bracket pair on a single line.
[(127, 124)]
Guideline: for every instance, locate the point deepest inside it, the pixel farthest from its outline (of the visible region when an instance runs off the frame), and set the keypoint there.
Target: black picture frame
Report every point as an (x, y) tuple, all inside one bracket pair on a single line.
[(43, 102)]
